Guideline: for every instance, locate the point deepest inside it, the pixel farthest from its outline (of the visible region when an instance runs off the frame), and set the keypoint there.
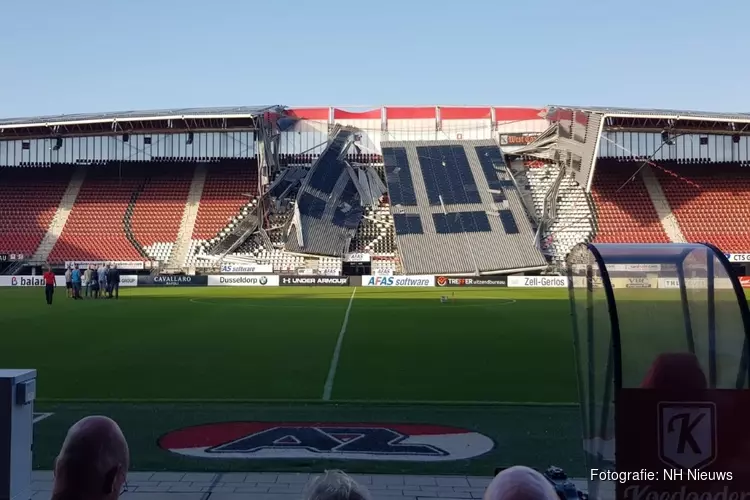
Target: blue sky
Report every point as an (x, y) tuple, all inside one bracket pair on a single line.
[(102, 55)]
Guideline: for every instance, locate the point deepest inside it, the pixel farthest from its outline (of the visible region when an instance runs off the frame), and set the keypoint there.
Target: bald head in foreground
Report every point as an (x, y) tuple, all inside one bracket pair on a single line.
[(520, 483), (93, 461)]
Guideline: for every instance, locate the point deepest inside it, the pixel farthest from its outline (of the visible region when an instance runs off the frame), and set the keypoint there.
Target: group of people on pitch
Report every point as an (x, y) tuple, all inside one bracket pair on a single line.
[(96, 282), (94, 459)]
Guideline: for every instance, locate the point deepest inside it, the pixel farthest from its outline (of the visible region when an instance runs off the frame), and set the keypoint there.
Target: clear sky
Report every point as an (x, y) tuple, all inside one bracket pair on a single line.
[(105, 55)]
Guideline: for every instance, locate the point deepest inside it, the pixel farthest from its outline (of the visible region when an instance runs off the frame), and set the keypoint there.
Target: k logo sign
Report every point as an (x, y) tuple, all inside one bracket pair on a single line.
[(687, 434)]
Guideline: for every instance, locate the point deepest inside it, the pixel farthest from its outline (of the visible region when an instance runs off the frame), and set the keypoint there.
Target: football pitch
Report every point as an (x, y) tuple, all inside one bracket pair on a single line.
[(498, 362)]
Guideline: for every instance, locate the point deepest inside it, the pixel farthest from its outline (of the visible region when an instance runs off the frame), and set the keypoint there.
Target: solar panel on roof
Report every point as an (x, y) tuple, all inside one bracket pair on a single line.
[(349, 210), (461, 222), (489, 157), (407, 224), (398, 177), (508, 222), (312, 206), (326, 172), (447, 174)]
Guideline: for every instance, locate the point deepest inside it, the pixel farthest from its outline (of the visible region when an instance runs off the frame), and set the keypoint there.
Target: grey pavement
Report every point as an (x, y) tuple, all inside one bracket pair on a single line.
[(278, 486)]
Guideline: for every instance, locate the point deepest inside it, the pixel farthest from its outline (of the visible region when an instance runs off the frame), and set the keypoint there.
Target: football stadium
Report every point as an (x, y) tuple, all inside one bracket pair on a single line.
[(386, 290)]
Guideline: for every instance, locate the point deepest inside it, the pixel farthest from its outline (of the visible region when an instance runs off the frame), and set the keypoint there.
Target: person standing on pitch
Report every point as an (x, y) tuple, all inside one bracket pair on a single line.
[(94, 283), (87, 278), (101, 274), (68, 282), (49, 284), (75, 278), (113, 281)]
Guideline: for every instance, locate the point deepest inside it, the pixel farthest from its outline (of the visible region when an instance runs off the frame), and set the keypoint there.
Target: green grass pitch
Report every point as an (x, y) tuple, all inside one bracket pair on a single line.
[(498, 361), (278, 343)]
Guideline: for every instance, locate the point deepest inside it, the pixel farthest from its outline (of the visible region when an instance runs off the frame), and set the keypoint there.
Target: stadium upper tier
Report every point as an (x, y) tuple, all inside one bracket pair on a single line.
[(455, 202)]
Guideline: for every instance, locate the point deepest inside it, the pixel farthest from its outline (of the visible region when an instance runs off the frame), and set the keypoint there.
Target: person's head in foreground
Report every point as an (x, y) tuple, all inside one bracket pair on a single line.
[(93, 461), (520, 483), (336, 485)]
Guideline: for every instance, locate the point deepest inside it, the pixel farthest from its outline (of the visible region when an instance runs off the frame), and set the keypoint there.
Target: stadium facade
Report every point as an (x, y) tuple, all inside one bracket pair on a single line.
[(410, 190)]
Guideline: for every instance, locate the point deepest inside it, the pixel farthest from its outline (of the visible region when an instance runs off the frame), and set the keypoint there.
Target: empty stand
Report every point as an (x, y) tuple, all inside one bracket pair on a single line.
[(159, 209), (229, 186), (29, 198), (625, 212), (447, 175), (106, 221), (711, 202), (575, 220), (384, 266), (376, 233)]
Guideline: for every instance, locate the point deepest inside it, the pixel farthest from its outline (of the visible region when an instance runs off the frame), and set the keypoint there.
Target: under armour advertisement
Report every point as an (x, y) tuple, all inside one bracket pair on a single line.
[(314, 281)]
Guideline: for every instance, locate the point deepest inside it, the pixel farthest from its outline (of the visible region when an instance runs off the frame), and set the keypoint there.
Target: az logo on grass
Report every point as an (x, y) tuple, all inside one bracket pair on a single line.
[(334, 440)]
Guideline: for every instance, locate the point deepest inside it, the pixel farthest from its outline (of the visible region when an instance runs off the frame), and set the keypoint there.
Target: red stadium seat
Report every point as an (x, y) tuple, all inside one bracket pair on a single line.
[(625, 213), (29, 199), (711, 202), (226, 191), (95, 229)]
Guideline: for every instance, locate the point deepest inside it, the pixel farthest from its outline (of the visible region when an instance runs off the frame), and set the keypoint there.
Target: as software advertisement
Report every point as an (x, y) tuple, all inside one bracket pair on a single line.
[(398, 281)]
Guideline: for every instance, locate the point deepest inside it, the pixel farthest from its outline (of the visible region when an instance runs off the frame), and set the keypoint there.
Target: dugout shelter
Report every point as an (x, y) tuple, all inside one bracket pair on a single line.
[(661, 345)]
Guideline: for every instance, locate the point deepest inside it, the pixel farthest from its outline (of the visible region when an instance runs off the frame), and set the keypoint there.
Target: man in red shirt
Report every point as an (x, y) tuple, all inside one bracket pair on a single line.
[(49, 285)]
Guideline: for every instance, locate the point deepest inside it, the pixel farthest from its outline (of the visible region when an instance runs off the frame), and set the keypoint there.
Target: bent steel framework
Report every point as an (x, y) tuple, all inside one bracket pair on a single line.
[(632, 304)]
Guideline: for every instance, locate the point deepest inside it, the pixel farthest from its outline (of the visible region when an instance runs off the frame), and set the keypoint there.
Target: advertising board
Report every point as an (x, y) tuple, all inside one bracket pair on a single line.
[(460, 281), (517, 139), (538, 281), (314, 281), (243, 280), (172, 280), (398, 281), (121, 264), (633, 283), (27, 281), (11, 257), (230, 268), (700, 283), (738, 257), (128, 280), (634, 268), (357, 257)]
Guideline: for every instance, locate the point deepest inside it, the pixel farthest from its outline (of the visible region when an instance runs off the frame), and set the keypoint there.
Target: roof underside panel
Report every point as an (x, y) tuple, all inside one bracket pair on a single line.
[(455, 225), (141, 115), (666, 113)]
